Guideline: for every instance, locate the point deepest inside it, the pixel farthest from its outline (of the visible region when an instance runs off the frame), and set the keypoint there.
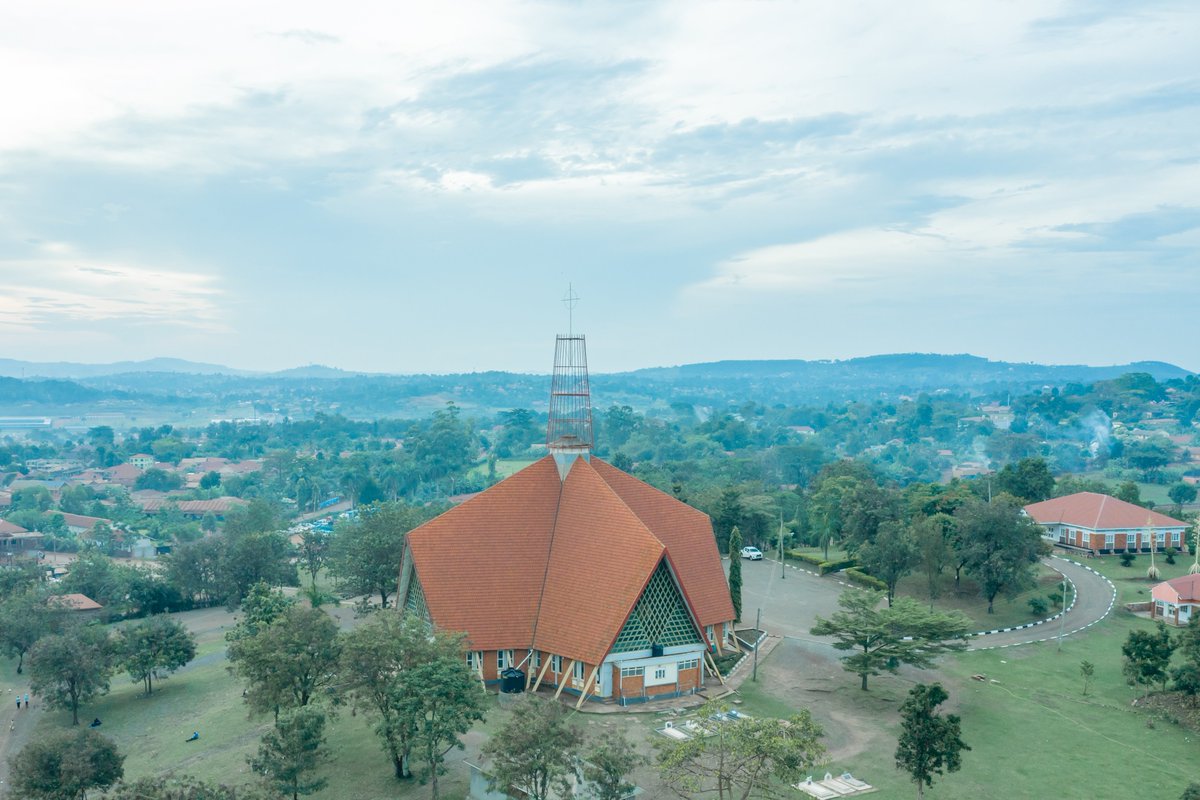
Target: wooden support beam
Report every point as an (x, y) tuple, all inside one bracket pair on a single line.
[(591, 681), (712, 663), (542, 674), (566, 673)]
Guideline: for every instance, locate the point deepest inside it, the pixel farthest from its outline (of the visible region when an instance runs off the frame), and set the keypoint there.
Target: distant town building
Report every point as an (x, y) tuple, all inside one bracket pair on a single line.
[(141, 461), (1100, 524)]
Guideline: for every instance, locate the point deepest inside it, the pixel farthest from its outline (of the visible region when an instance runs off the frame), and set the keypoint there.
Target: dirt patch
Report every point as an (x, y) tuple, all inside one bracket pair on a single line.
[(1173, 707)]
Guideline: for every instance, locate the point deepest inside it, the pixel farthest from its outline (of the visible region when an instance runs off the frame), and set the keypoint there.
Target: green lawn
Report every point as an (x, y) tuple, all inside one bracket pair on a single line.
[(1008, 612), (1132, 584), (504, 467)]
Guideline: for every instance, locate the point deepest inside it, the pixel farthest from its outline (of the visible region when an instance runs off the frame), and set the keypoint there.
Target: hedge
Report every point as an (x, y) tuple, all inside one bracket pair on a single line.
[(827, 567), (863, 579), (808, 558)]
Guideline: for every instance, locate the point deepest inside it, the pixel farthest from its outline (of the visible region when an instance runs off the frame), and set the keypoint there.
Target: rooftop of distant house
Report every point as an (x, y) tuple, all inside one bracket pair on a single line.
[(1098, 512)]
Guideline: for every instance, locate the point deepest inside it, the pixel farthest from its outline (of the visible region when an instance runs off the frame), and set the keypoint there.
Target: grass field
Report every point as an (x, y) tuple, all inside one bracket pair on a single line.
[(1032, 731), (504, 467)]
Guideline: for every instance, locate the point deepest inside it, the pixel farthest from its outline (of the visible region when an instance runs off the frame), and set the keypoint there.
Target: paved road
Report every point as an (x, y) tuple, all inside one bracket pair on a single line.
[(791, 604), (1095, 597)]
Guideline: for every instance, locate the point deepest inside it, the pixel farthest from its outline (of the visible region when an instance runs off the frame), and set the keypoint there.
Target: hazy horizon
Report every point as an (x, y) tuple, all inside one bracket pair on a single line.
[(411, 189)]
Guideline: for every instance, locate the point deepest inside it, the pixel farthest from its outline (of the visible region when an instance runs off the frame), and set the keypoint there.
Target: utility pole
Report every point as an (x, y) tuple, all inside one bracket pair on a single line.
[(1062, 618), (757, 642), (782, 566)]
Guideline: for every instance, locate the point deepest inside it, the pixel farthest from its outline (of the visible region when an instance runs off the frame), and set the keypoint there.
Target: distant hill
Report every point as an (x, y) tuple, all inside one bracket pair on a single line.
[(14, 392), (13, 368), (912, 368)]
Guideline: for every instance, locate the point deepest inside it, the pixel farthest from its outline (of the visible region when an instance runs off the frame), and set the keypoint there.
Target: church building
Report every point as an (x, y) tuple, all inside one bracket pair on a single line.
[(582, 577)]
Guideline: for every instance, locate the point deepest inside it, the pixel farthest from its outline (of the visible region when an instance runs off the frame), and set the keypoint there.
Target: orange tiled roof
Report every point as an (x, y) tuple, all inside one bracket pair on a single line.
[(1186, 589), (1098, 512), (75, 602), (558, 565), (9, 529)]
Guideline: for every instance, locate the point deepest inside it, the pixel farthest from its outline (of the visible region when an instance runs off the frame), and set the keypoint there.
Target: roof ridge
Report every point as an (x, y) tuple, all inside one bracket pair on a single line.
[(537, 610), (1100, 511)]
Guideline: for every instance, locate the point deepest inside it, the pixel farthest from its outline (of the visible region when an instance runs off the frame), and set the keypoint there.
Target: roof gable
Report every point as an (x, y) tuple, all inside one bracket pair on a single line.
[(598, 542), (1098, 512), (688, 536)]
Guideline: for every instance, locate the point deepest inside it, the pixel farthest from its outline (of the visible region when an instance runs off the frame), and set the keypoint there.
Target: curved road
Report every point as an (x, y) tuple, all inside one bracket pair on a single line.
[(1095, 597), (790, 605)]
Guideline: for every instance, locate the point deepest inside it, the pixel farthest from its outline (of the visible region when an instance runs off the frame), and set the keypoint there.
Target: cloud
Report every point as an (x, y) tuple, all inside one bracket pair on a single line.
[(47, 292)]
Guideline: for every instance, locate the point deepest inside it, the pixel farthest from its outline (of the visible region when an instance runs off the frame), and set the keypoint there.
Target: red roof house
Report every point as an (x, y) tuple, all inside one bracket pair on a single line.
[(579, 575), (1176, 600), (1104, 524)]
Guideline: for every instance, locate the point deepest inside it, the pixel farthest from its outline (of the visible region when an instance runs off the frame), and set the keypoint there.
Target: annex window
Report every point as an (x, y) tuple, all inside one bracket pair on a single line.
[(556, 664), (689, 664), (578, 671), (474, 660), (1110, 539), (537, 659), (1175, 539), (660, 673), (632, 672), (1161, 536), (504, 658)]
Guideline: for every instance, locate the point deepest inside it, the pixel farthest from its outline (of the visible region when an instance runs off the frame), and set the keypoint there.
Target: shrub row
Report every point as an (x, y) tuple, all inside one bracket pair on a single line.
[(808, 558), (827, 567), (863, 579)]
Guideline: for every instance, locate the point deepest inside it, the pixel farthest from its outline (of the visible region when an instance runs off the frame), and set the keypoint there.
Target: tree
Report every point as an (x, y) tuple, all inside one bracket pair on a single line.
[(1148, 656), (904, 633), (288, 663), (448, 698), (24, 619), (746, 758), (534, 751), (365, 554), (930, 744), (155, 646), (1192, 792), (608, 763), (1186, 680), (314, 550), (63, 765), (71, 668), (735, 572), (1087, 671), (727, 513), (195, 569), (261, 606), (210, 480), (1182, 493), (158, 480), (827, 508), (1000, 546), (258, 557), (1030, 480), (891, 556), (933, 536), (292, 750)]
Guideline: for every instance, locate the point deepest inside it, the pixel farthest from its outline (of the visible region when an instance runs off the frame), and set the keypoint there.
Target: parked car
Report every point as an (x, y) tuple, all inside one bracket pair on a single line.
[(752, 553)]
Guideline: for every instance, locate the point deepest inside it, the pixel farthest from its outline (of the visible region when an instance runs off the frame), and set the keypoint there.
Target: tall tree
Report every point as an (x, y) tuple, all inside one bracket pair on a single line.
[(63, 765), (930, 744), (757, 757), (933, 536), (153, 647), (1029, 479), (735, 572), (726, 515), (365, 554), (449, 700), (608, 762), (892, 555), (1148, 656), (535, 750), (291, 750), (883, 639), (290, 662), (1000, 546), (71, 668), (314, 550)]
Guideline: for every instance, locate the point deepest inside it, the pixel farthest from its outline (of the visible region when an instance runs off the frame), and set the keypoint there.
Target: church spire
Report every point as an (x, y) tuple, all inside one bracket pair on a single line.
[(569, 433)]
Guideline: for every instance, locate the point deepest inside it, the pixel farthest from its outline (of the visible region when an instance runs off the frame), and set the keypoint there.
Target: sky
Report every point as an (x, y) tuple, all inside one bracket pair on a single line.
[(411, 187)]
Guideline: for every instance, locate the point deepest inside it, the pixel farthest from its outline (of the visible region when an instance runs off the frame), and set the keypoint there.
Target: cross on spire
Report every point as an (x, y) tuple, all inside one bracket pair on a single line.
[(570, 300)]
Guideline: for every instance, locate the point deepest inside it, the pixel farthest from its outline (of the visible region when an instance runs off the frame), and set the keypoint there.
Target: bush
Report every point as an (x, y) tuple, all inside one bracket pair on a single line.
[(826, 567), (1038, 606), (863, 579), (1170, 552), (808, 558), (1127, 559)]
